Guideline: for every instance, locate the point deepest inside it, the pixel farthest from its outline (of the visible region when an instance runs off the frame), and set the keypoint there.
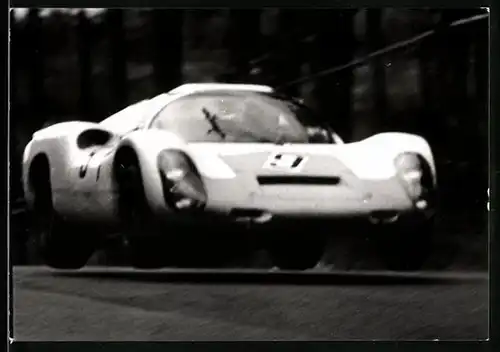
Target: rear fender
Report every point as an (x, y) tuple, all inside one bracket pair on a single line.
[(55, 149)]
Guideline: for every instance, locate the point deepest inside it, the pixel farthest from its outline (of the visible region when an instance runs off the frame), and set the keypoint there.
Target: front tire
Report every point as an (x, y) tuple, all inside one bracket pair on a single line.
[(406, 247), (144, 249)]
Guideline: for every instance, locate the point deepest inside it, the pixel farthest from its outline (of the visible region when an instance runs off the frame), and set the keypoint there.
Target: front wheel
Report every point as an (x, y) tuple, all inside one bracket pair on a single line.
[(144, 248), (406, 247)]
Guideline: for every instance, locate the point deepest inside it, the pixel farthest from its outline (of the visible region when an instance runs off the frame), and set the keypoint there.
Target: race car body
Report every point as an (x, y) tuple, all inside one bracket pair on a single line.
[(222, 154)]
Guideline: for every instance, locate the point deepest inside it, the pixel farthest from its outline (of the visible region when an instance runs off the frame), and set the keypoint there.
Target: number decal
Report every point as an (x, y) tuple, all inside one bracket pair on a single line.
[(84, 167), (290, 162), (98, 173), (83, 170)]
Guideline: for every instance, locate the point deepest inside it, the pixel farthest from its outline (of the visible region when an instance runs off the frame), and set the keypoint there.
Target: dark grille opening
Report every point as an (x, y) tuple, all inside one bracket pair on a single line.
[(242, 212), (298, 180)]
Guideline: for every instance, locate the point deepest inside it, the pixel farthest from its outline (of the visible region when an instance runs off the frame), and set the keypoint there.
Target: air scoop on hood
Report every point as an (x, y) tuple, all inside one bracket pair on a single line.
[(298, 180)]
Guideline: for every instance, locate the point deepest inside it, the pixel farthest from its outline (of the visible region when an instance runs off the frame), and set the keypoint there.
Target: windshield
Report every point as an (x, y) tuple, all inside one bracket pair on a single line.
[(239, 118)]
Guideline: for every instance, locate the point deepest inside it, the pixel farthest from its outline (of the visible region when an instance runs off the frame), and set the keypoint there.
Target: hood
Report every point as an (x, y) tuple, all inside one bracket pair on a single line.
[(226, 160)]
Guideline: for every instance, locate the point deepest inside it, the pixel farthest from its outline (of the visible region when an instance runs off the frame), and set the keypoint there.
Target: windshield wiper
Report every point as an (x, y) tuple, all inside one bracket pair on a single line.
[(212, 119)]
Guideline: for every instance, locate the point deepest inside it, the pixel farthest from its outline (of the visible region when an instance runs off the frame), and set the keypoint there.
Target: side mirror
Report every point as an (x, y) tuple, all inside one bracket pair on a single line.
[(323, 135), (317, 135)]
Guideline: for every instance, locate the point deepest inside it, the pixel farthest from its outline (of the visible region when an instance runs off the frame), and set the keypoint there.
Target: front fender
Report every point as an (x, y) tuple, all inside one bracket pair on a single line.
[(373, 157), (399, 142), (147, 144)]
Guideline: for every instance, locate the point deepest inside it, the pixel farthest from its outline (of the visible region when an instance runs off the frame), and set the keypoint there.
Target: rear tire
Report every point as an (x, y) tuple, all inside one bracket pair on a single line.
[(61, 244)]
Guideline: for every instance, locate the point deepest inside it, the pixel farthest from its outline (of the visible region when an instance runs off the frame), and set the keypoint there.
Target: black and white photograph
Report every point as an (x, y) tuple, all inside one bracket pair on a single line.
[(267, 174)]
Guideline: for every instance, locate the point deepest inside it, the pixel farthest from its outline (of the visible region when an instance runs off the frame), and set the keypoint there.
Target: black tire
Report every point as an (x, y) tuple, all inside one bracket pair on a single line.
[(296, 252), (143, 246), (406, 247), (61, 244)]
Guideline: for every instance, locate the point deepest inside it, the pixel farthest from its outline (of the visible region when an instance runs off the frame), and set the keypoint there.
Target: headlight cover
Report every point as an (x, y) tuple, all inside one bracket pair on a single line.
[(183, 189), (416, 176)]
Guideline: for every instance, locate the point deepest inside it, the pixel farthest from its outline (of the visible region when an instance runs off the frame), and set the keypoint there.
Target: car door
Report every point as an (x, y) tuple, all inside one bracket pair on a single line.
[(93, 183)]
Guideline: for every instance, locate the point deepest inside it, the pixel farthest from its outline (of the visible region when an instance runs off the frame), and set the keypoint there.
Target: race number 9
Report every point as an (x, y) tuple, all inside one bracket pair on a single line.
[(284, 161)]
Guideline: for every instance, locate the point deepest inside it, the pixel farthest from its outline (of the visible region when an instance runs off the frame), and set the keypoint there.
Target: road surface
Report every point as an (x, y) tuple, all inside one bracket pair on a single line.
[(117, 304)]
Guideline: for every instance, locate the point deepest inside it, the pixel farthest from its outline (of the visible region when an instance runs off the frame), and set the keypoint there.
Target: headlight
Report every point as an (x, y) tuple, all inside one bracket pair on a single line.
[(416, 176), (183, 188)]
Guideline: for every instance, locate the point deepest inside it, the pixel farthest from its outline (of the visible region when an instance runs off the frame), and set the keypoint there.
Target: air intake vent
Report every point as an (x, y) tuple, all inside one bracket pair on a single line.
[(298, 180)]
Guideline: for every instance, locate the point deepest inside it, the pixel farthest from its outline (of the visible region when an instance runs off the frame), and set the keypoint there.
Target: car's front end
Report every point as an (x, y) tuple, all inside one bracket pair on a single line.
[(252, 187), (258, 168)]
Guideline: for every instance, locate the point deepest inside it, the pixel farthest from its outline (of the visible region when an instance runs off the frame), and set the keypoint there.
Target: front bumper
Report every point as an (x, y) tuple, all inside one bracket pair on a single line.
[(252, 221)]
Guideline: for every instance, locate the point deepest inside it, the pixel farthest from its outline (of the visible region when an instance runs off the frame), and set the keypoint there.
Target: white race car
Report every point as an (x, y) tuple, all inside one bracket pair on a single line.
[(215, 163)]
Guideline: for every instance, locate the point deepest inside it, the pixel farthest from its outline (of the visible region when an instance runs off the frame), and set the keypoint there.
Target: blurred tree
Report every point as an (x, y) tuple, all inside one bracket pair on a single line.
[(446, 122), (244, 41), (35, 57), (457, 57), (15, 150), (334, 45), (14, 56), (456, 123), (85, 62), (117, 58), (431, 80), (167, 48), (287, 50), (18, 242), (375, 41), (195, 20), (425, 73)]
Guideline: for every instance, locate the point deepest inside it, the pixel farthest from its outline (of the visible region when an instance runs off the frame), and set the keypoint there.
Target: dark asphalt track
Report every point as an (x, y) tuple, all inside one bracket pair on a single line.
[(116, 304)]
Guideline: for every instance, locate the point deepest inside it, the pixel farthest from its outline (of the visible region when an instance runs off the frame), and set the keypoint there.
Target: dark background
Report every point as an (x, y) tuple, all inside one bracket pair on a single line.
[(69, 65)]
